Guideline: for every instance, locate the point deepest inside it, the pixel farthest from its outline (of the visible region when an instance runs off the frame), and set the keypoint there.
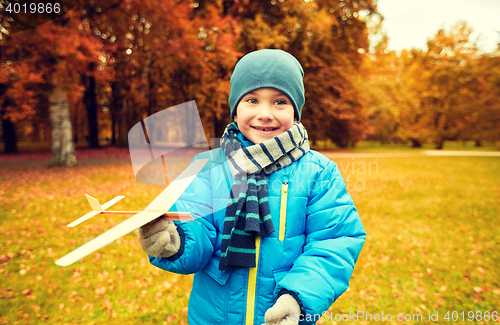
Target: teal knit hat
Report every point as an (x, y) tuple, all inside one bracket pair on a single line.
[(268, 69)]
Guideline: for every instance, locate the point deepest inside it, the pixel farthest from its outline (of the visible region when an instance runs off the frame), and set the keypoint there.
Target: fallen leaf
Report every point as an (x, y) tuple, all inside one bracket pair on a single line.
[(106, 304), (478, 289)]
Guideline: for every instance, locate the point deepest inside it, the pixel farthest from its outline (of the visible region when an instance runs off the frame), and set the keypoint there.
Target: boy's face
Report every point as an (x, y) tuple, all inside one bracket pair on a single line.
[(263, 114)]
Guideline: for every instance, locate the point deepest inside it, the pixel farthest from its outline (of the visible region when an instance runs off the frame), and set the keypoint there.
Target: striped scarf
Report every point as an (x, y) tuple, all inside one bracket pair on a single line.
[(247, 213)]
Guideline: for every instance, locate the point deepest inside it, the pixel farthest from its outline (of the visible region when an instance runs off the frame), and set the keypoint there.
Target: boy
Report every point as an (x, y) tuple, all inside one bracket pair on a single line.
[(278, 245)]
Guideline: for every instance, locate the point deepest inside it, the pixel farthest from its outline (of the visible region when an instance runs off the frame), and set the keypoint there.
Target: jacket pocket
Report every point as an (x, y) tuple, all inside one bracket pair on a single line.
[(212, 270)]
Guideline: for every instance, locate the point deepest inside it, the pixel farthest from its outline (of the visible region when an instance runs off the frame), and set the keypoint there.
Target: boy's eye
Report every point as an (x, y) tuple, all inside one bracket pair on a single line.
[(251, 100), (280, 102)]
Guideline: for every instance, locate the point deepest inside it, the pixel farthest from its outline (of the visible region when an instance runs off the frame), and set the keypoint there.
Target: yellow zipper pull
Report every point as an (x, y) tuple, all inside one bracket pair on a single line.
[(284, 194)]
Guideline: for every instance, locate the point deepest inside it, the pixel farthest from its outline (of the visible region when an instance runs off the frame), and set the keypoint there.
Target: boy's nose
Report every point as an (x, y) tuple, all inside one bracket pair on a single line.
[(265, 112)]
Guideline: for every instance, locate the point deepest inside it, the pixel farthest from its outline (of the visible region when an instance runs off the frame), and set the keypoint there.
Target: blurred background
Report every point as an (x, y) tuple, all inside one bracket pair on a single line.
[(116, 62), (386, 81)]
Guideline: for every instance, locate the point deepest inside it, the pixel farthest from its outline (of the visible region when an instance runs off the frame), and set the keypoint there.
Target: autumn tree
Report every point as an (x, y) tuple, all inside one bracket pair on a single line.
[(381, 85), (61, 51), (450, 91), (163, 55), (483, 121), (212, 64), (18, 81), (427, 96), (328, 38)]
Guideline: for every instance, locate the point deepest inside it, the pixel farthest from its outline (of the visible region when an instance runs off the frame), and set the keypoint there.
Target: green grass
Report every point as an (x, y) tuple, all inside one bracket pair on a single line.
[(432, 244), (375, 146), (362, 146)]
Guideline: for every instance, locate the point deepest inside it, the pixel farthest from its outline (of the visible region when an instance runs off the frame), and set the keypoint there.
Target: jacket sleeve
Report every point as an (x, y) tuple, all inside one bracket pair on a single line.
[(334, 238), (198, 237)]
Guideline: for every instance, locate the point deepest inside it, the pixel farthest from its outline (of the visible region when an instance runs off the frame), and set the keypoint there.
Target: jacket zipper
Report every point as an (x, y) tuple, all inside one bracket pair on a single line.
[(284, 193), (252, 284), (252, 273)]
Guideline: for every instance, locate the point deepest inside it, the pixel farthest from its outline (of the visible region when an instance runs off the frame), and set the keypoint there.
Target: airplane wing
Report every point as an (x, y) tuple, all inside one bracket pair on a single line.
[(164, 202), (82, 219), (111, 202)]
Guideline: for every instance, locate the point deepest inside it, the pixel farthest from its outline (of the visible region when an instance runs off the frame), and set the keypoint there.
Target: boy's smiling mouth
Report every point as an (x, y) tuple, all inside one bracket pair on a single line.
[(264, 129)]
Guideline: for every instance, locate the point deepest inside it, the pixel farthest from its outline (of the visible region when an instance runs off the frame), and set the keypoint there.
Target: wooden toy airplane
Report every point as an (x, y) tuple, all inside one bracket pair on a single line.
[(158, 208)]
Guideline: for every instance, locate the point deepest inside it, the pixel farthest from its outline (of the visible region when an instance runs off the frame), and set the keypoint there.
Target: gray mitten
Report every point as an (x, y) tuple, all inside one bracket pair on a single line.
[(159, 238), (286, 311)]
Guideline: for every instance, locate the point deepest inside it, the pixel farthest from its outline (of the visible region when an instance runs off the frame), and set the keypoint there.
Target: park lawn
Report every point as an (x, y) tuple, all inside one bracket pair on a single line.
[(361, 146), (376, 146), (431, 247)]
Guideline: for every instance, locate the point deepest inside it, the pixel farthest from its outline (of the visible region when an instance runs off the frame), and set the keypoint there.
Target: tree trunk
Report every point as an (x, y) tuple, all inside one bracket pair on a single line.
[(115, 108), (9, 136), (75, 126), (145, 90), (341, 143), (35, 134), (123, 120), (63, 151), (121, 109), (91, 104), (439, 144), (219, 126), (416, 143), (478, 143), (113, 129)]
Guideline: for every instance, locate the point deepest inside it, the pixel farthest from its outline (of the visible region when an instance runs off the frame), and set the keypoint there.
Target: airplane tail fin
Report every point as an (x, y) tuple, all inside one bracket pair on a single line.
[(94, 203)]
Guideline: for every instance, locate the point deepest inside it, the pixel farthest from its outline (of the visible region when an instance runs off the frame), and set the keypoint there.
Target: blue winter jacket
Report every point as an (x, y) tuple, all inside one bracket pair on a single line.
[(318, 237)]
